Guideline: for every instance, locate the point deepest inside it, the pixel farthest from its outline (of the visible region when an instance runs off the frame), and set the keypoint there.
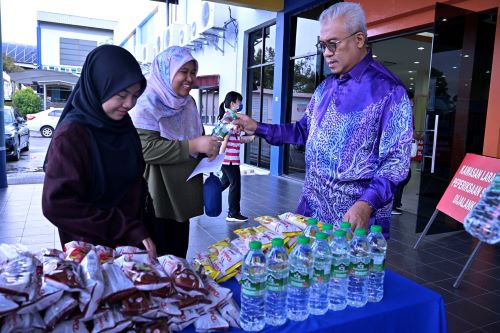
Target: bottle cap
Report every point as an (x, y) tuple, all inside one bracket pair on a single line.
[(376, 228), (321, 235), (339, 233), (327, 226), (311, 221), (255, 245), (303, 239), (345, 225), (360, 232), (277, 241)]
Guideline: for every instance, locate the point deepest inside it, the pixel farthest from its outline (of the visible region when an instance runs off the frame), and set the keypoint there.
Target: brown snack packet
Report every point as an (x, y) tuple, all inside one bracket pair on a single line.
[(19, 323), (184, 277), (62, 274), (20, 277), (135, 304), (116, 284), (110, 321), (60, 310), (230, 311), (48, 296), (93, 279), (71, 326), (211, 321)]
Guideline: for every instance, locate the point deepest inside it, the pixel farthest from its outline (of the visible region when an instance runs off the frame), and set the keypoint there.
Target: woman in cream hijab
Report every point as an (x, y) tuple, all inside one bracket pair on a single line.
[(172, 138)]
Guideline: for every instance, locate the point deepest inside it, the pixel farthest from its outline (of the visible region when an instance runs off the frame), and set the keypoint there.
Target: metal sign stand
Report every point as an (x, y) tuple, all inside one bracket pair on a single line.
[(469, 261)]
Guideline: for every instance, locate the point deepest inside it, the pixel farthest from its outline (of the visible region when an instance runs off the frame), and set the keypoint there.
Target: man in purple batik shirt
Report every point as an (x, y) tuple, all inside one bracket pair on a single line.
[(357, 129)]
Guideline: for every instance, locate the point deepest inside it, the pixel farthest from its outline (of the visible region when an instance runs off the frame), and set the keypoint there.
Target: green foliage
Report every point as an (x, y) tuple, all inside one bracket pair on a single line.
[(9, 66), (26, 101)]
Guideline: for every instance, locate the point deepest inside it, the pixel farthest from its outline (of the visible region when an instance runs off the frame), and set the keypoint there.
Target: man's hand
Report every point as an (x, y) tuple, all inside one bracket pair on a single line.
[(245, 123), (150, 246), (359, 215)]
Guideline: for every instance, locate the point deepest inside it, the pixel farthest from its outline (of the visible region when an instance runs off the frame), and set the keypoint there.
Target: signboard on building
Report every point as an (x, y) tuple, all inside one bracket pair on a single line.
[(471, 179)]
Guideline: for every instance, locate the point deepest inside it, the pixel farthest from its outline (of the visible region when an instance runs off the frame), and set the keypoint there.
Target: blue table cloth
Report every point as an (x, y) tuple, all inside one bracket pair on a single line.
[(406, 307)]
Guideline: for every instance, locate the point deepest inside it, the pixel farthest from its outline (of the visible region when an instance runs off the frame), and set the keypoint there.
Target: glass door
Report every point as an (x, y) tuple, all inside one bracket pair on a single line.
[(456, 108)]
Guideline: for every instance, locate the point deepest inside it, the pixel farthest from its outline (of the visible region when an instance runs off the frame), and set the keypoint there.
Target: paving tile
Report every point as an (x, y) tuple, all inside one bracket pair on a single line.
[(492, 328), (489, 301), (457, 324), (473, 313)]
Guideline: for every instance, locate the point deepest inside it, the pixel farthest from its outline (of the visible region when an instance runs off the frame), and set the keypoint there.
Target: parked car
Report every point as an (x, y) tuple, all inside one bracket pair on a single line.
[(44, 121), (17, 134)]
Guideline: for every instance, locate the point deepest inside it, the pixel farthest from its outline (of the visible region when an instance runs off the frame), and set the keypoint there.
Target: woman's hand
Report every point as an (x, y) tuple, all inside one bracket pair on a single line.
[(205, 144), (359, 215), (150, 246)]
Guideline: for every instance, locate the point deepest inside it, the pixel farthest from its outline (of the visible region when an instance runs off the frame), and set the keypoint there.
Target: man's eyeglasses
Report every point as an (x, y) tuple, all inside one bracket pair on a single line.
[(331, 46)]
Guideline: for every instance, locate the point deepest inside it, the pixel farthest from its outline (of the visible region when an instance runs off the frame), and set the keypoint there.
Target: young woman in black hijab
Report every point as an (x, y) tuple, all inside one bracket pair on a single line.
[(93, 189)]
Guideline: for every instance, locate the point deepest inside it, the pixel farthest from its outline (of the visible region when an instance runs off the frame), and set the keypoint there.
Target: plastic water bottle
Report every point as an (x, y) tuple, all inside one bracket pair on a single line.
[(483, 221), (337, 288), (346, 226), (277, 283), (328, 230), (299, 285), (322, 261), (378, 247), (253, 287), (359, 258), (225, 124), (311, 229)]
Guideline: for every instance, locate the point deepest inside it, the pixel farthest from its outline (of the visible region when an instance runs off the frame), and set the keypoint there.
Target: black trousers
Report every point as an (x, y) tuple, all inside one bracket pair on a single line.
[(171, 237), (398, 195), (231, 177)]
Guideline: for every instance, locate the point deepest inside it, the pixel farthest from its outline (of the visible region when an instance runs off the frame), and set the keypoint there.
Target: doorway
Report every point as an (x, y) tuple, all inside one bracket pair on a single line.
[(448, 68)]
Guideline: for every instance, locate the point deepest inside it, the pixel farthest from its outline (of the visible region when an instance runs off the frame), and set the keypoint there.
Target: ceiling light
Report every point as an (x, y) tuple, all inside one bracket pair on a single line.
[(454, 67), (416, 62), (411, 88), (410, 71), (375, 56), (411, 78), (487, 72), (412, 84), (420, 48), (444, 20), (466, 56), (443, 76)]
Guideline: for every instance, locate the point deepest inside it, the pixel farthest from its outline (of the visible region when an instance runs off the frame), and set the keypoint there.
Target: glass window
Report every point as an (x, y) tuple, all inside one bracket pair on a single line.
[(260, 83)]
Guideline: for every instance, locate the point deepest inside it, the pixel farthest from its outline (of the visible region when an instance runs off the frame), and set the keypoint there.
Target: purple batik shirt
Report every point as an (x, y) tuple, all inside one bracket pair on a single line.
[(357, 130)]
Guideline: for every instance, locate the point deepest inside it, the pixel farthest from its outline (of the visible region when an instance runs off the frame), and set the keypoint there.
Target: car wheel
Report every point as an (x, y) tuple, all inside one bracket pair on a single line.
[(27, 147), (47, 131), (17, 153)]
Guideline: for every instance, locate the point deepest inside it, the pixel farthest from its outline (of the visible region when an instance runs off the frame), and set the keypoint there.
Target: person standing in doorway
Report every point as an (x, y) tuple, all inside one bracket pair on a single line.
[(231, 174)]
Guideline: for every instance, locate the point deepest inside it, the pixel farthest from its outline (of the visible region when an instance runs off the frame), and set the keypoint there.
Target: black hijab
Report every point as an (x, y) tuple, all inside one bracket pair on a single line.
[(115, 147)]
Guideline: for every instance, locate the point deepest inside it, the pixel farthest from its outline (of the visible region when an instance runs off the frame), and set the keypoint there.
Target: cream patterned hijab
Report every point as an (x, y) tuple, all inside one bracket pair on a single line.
[(159, 108)]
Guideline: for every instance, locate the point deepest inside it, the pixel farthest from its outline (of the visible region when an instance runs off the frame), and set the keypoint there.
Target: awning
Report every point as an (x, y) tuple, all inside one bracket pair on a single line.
[(206, 81)]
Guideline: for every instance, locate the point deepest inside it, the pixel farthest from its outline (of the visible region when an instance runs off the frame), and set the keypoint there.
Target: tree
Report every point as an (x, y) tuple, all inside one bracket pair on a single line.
[(9, 66), (26, 101)]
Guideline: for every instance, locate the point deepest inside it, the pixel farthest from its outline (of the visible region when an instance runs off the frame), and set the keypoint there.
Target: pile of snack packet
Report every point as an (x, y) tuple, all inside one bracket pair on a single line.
[(94, 289), (222, 260)]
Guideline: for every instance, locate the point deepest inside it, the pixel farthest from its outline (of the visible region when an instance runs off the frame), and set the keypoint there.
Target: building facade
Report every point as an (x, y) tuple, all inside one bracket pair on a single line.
[(446, 53)]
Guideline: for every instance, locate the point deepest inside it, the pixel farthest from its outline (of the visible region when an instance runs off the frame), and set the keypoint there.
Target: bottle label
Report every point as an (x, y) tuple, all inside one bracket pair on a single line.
[(359, 269), (340, 270), (377, 264), (299, 280), (252, 288), (321, 275), (276, 283)]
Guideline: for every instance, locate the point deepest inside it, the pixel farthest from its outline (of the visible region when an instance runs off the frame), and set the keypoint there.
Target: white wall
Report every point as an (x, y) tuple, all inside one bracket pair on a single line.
[(51, 33)]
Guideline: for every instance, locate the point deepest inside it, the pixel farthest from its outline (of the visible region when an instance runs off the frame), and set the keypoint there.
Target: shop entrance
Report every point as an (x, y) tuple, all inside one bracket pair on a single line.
[(448, 69)]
